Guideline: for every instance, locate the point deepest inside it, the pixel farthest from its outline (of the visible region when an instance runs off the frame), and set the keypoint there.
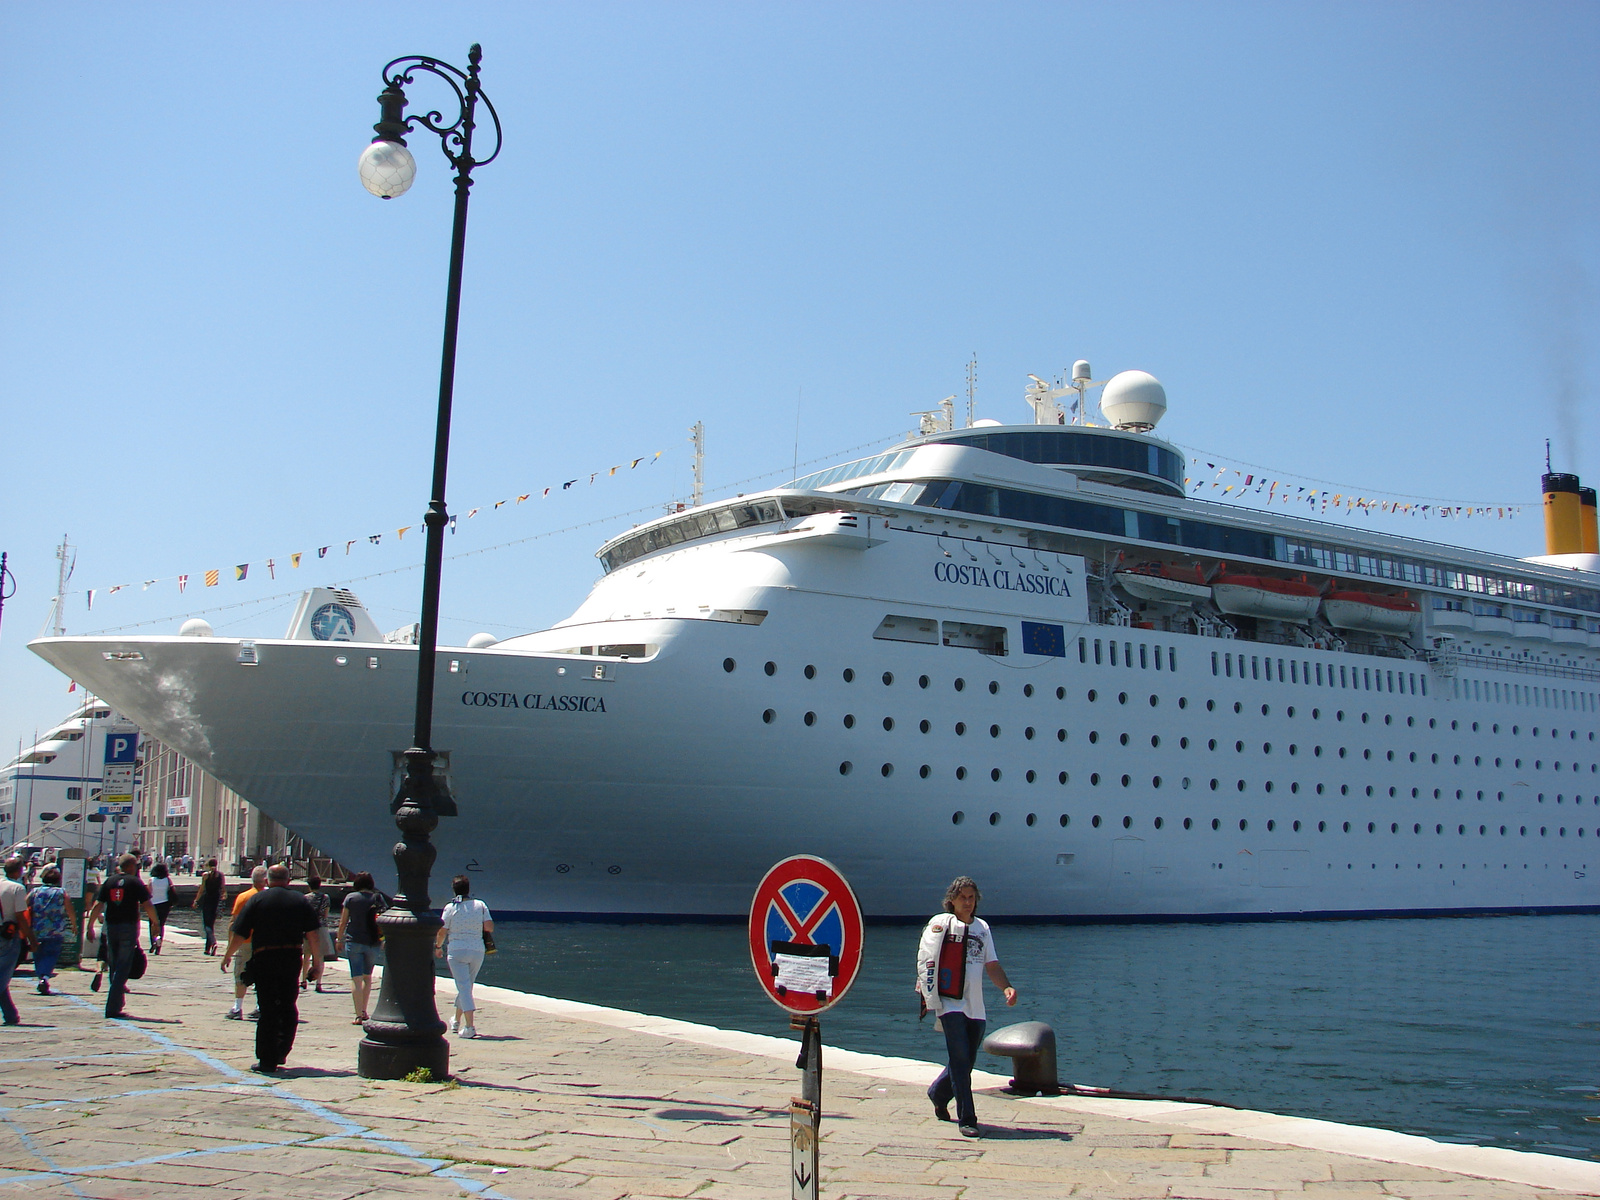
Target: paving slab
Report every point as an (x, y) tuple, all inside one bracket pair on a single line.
[(570, 1100)]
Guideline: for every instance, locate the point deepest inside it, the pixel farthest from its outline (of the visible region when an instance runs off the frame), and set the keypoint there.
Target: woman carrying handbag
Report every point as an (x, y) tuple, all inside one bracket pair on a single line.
[(956, 951)]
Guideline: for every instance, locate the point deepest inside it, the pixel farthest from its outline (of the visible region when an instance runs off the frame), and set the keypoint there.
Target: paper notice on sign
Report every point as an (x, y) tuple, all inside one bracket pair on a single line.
[(804, 974)]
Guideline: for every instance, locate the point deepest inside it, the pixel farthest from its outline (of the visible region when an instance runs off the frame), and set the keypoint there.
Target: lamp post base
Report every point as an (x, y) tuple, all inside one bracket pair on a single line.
[(405, 1032), (397, 1060)]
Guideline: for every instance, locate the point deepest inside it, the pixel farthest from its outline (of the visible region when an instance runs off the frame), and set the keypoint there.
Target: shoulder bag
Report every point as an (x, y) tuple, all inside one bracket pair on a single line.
[(951, 976)]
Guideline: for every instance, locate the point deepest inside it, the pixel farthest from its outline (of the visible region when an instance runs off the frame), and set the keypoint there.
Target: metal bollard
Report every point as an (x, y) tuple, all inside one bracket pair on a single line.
[(1032, 1044)]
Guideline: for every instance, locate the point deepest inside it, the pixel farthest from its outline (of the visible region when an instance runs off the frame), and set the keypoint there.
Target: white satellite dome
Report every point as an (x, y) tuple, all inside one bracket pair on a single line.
[(195, 627), (1134, 400), (480, 641), (986, 423)]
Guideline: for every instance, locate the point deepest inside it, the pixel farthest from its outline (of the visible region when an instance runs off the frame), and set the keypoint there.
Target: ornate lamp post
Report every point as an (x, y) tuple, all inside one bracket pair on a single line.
[(405, 1032)]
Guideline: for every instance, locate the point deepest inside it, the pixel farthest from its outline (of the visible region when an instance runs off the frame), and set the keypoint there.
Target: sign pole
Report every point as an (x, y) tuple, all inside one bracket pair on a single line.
[(805, 1112), (805, 945)]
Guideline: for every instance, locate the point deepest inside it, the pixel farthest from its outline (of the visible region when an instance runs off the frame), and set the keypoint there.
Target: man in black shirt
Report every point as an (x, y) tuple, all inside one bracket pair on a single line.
[(279, 924), (122, 896)]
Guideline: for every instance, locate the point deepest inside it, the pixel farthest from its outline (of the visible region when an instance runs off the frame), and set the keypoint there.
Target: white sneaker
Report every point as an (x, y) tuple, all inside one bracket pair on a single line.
[(455, 1025), (469, 1032)]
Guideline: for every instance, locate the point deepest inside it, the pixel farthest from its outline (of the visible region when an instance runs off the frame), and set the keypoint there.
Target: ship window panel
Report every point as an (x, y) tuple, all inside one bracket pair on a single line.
[(1083, 650), (1172, 658), (986, 639), (900, 628), (1113, 653), (1097, 652)]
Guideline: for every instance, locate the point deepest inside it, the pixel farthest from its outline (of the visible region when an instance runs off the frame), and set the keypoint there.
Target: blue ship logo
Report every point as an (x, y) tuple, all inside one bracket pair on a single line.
[(333, 623)]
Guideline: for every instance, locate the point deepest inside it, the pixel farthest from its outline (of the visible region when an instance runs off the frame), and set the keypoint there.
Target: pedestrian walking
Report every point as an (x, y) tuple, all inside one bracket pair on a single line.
[(279, 926), (207, 899), (956, 951), (258, 883), (466, 922), (358, 938), (121, 897), (319, 901), (14, 932), (50, 913), (161, 897)]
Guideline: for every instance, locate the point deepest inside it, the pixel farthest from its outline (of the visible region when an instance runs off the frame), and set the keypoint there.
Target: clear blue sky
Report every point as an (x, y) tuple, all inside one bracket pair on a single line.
[(1357, 242)]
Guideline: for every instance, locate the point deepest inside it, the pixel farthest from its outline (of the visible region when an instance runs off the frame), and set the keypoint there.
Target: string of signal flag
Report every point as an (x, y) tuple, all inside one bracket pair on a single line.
[(241, 571), (1251, 482), (1246, 482)]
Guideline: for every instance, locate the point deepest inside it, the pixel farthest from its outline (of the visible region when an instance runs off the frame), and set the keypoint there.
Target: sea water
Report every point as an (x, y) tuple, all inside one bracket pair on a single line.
[(1482, 1030)]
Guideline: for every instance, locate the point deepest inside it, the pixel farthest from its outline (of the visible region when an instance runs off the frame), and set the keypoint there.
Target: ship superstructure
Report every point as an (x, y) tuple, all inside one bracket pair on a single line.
[(1017, 652), (52, 793)]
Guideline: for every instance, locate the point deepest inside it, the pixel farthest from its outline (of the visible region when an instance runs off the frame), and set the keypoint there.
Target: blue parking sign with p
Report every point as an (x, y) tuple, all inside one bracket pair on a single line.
[(121, 748)]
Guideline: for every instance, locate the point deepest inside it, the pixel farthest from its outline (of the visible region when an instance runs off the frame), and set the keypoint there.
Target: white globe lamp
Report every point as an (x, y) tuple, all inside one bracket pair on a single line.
[(387, 169)]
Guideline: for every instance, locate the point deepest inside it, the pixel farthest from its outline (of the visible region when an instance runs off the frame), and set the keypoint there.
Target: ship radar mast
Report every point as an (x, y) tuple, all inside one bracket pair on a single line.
[(1133, 401), (697, 436)]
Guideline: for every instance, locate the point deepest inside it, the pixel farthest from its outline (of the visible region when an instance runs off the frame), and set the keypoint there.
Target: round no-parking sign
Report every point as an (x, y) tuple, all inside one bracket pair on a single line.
[(805, 935)]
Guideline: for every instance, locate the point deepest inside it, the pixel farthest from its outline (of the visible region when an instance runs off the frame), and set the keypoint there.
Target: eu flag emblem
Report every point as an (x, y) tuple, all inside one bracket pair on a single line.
[(1044, 639)]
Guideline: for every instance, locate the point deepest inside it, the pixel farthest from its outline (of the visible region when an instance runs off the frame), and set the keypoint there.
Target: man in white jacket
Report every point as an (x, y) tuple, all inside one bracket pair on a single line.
[(956, 950)]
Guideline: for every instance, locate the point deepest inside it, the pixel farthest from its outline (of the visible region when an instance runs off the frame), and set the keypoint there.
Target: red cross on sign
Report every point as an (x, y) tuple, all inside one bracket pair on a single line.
[(805, 934)]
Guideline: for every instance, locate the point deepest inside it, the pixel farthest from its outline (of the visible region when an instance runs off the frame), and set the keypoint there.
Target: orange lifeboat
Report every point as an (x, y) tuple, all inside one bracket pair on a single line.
[(1371, 612), (1264, 597), (1163, 583)]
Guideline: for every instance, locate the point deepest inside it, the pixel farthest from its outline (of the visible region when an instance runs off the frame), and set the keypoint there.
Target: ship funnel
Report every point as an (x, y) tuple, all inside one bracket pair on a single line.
[(1588, 527), (1563, 519)]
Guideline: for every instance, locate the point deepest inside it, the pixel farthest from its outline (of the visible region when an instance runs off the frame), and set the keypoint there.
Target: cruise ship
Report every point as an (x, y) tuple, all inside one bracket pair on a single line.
[(1020, 652), (75, 786)]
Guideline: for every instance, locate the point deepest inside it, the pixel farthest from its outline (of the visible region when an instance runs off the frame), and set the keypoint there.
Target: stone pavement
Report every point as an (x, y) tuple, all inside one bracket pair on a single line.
[(559, 1099)]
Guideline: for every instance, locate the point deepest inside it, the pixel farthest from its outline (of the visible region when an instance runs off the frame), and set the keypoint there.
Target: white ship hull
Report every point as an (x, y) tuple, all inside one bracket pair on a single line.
[(1203, 777)]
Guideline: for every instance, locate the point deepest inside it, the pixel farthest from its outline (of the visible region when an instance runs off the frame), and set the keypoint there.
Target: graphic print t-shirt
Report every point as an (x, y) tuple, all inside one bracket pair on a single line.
[(122, 895), (980, 950)]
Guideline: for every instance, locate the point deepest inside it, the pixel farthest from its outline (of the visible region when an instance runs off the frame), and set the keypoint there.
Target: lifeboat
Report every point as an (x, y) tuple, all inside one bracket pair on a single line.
[(1261, 596), (1163, 583), (1371, 612)]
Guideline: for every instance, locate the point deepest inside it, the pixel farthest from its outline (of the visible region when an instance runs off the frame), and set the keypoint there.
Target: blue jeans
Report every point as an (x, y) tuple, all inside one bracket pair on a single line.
[(962, 1037), (121, 941), (8, 963), (361, 957), (46, 957)]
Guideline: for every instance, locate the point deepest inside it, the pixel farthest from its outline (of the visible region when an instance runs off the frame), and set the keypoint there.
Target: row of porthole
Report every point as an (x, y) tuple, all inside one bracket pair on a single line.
[(924, 771), (960, 683), (957, 817), (849, 676), (1156, 781), (770, 715), (1093, 695)]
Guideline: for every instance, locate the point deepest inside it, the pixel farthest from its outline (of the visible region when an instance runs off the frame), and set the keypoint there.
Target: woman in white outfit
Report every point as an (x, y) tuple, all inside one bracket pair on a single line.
[(465, 922)]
